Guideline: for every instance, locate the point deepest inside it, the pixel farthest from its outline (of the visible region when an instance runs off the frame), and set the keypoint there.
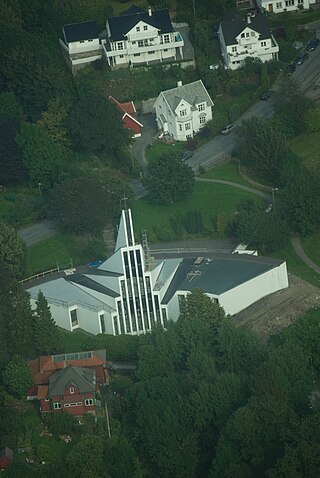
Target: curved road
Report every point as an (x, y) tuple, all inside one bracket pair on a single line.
[(266, 196)]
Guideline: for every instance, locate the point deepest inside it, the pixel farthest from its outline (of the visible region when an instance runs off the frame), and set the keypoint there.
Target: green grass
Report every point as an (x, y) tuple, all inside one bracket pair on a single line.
[(210, 199), (59, 248), (240, 103), (307, 145), (296, 266), (293, 19), (74, 341), (228, 172), (311, 246), (158, 149)]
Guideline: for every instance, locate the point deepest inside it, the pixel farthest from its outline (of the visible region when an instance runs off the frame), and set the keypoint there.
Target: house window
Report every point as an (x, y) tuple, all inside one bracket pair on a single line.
[(136, 54), (166, 49), (289, 3), (183, 112), (120, 45), (180, 127), (279, 5), (88, 402), (188, 136), (201, 107), (57, 406), (166, 38), (300, 2), (71, 390), (47, 399), (145, 27), (263, 43), (187, 126), (150, 52), (137, 29), (134, 42), (247, 34), (202, 119), (242, 35), (253, 34), (234, 48), (140, 43), (74, 317), (78, 404), (81, 41), (102, 323), (121, 56)]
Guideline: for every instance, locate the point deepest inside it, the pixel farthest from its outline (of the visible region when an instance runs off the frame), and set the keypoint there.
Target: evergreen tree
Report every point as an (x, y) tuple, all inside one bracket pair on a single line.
[(47, 338)]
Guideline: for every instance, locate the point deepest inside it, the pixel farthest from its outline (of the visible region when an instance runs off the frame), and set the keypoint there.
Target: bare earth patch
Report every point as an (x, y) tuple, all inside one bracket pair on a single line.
[(277, 311)]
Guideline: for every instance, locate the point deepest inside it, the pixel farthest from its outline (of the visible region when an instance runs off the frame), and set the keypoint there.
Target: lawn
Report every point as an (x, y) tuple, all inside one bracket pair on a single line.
[(307, 146), (296, 266), (158, 149), (311, 246), (74, 341), (211, 199), (228, 172), (60, 249)]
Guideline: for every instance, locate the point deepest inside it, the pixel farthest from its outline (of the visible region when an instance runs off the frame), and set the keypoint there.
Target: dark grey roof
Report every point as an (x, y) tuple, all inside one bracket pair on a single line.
[(81, 31), (82, 378), (91, 284), (120, 26), (221, 273), (233, 25), (194, 93)]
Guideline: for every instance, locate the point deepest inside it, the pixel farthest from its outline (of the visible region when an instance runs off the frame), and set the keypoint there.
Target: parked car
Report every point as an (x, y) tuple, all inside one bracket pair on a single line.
[(186, 155), (301, 58), (265, 95), (290, 69), (227, 129), (312, 44)]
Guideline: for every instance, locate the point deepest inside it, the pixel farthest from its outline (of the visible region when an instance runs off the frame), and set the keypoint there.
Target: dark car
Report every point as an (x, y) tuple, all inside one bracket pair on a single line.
[(265, 95), (312, 44), (290, 69), (187, 155), (301, 58)]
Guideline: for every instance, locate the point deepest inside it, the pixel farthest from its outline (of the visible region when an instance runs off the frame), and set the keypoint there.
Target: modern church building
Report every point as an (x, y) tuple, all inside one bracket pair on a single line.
[(131, 292)]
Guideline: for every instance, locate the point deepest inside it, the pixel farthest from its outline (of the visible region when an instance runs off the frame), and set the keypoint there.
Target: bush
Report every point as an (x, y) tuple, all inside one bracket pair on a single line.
[(60, 423), (194, 222)]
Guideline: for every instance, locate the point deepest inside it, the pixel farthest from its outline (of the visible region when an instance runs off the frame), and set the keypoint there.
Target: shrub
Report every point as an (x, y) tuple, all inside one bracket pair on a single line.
[(193, 222)]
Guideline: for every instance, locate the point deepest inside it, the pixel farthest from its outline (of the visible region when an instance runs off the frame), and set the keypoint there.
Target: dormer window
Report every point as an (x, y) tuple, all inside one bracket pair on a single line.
[(183, 112), (145, 27), (201, 107), (247, 34), (71, 390)]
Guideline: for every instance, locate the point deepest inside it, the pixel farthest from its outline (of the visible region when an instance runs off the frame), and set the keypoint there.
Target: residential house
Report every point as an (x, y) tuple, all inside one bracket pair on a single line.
[(131, 292), (68, 382), (6, 458), (81, 44), (129, 121), (249, 37), (182, 111), (141, 37), (278, 6)]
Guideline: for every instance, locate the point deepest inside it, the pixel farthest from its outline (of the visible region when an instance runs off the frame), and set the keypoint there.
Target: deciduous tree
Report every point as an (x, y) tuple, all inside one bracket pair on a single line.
[(17, 377), (12, 250)]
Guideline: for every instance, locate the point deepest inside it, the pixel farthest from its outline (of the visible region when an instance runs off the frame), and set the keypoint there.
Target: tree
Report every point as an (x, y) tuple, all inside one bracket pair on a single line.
[(17, 377), (168, 180), (197, 306), (12, 250), (85, 458), (10, 107), (53, 121), (12, 169), (120, 459), (95, 124), (76, 215), (43, 159), (47, 337)]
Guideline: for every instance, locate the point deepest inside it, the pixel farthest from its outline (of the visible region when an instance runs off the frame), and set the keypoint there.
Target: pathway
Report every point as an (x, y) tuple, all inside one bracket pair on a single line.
[(250, 189), (295, 241)]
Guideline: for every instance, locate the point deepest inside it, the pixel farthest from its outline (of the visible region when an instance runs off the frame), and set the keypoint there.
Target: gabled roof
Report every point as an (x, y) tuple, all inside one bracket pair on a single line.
[(81, 31), (127, 107), (193, 93), (6, 451), (82, 378), (234, 24), (120, 26)]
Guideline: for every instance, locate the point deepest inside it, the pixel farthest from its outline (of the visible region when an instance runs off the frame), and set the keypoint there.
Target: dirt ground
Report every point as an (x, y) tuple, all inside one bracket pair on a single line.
[(277, 311)]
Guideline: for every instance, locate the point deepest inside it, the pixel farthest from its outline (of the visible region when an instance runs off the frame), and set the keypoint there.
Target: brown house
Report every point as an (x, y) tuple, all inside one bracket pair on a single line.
[(6, 457)]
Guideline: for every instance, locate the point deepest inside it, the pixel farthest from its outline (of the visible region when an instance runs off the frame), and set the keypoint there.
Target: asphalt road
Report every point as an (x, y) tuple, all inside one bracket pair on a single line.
[(308, 74), (37, 232)]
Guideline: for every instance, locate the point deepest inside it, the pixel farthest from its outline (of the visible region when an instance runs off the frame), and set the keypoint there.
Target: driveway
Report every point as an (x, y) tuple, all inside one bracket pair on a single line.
[(148, 131)]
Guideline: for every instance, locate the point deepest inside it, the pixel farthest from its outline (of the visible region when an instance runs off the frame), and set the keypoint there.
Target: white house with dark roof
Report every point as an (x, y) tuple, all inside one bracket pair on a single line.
[(249, 37), (278, 6), (140, 37), (182, 111), (131, 292), (81, 43)]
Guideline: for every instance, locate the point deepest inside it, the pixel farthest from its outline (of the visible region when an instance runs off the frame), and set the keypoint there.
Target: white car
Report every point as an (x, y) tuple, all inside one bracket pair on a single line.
[(227, 129)]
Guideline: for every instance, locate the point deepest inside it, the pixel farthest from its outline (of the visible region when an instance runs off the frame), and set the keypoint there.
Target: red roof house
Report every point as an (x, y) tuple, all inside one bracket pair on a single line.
[(6, 457), (129, 121)]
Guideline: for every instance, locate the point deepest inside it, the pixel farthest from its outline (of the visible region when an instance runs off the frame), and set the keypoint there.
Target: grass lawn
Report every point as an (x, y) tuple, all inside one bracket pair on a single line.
[(232, 107), (59, 248), (306, 145), (296, 266), (311, 246), (228, 171), (293, 19), (73, 341), (158, 149), (210, 199)]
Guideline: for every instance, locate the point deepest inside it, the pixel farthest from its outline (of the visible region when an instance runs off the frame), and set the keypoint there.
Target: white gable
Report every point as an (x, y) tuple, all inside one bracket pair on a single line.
[(142, 27), (250, 31)]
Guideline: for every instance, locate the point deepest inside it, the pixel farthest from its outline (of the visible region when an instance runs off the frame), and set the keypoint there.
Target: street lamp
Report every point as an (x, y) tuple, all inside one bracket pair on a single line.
[(39, 187), (273, 199)]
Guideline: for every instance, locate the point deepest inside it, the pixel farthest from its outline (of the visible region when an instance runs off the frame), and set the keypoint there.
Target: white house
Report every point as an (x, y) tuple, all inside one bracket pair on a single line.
[(278, 6), (140, 37), (184, 110), (131, 292), (242, 38), (81, 43)]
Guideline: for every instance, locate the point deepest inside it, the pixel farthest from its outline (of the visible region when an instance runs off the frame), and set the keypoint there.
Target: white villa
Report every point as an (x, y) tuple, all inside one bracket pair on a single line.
[(278, 6), (182, 111), (140, 37), (246, 38), (81, 44), (131, 292)]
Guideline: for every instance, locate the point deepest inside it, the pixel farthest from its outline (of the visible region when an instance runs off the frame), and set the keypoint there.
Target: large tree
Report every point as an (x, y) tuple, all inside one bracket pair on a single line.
[(17, 377), (47, 338), (95, 124), (168, 180), (12, 250), (12, 169)]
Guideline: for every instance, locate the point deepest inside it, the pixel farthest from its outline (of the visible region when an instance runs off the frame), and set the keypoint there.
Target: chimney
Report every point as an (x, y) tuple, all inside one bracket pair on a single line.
[(179, 83), (248, 19), (149, 11)]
